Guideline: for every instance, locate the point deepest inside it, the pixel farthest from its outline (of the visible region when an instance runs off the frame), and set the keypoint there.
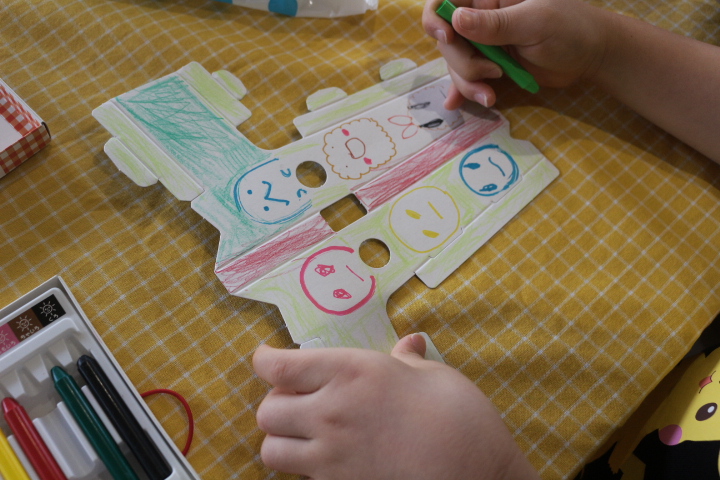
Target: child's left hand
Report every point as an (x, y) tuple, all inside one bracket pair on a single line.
[(360, 414)]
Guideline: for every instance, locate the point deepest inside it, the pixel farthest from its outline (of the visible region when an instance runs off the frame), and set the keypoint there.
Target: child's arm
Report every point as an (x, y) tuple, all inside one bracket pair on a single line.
[(669, 79), (359, 414)]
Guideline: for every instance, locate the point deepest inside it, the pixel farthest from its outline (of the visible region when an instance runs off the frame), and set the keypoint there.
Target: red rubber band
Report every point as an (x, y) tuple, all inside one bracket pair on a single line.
[(191, 422)]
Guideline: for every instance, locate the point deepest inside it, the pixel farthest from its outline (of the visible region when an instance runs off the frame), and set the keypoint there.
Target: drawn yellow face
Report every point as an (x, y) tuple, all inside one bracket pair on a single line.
[(424, 219)]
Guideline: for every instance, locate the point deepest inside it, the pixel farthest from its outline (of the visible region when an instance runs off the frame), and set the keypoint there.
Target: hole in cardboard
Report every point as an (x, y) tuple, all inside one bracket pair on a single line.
[(374, 253), (311, 174), (344, 212)]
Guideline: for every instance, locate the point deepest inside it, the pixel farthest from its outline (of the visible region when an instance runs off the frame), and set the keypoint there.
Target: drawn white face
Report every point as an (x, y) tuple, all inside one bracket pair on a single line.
[(336, 280), (424, 219), (355, 148), (426, 107), (271, 194), (488, 170)]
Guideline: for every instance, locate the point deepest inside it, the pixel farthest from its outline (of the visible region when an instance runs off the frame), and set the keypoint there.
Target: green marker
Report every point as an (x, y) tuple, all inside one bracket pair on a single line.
[(496, 54), (90, 423)]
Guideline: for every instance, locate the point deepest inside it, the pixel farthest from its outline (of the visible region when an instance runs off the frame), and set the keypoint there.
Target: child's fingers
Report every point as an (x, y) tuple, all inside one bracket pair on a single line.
[(513, 25), (435, 26), (283, 414), (454, 99), (493, 4), (479, 92), (467, 62), (410, 349), (302, 371), (289, 455)]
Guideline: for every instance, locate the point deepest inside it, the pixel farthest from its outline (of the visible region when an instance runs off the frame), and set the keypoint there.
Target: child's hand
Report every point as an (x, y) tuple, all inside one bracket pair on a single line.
[(359, 414), (558, 41)]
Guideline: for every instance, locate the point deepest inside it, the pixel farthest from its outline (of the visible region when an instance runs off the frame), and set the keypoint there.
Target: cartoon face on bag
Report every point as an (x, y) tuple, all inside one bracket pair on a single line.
[(488, 170), (336, 280), (691, 410), (270, 193)]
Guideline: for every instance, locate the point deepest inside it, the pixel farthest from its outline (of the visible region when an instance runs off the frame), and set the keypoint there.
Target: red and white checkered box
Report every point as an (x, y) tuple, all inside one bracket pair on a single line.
[(22, 132)]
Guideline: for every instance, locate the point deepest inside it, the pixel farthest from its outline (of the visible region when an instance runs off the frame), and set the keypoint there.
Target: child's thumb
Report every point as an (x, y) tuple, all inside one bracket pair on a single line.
[(501, 26), (410, 348)]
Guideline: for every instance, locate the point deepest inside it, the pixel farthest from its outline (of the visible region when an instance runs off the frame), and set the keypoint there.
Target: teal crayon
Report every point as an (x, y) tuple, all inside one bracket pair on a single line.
[(98, 435)]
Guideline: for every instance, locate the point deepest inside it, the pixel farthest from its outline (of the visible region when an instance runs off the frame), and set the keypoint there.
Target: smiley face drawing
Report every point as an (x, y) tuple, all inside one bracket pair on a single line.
[(424, 219), (355, 148), (488, 170), (271, 194), (336, 280)]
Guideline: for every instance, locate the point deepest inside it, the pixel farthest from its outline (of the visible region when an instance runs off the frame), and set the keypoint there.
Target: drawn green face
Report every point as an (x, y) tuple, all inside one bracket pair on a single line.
[(270, 193)]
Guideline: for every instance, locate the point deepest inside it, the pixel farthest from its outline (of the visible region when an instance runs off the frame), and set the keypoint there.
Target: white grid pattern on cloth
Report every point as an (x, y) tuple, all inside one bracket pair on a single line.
[(551, 318)]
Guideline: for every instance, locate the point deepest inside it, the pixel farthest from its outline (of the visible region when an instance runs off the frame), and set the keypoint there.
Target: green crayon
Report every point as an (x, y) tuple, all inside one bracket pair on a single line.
[(99, 436)]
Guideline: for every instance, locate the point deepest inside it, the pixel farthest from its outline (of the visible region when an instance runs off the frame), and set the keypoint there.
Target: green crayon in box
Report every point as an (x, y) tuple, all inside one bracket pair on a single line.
[(96, 433)]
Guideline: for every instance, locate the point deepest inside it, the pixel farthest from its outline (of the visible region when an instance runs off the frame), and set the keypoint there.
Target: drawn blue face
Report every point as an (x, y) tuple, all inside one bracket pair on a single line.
[(271, 194), (488, 170)]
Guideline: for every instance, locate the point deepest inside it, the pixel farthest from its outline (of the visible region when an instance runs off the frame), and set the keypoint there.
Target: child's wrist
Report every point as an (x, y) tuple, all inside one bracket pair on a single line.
[(605, 32), (620, 37)]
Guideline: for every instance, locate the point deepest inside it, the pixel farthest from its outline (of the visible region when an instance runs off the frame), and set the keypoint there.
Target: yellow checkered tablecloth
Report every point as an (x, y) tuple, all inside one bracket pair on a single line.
[(566, 319)]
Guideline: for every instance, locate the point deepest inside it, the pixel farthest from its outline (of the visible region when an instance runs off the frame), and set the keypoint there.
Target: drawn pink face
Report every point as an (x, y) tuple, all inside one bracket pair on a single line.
[(336, 280)]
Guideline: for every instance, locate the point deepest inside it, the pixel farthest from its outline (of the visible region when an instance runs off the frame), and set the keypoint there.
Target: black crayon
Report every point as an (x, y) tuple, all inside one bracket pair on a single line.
[(142, 447)]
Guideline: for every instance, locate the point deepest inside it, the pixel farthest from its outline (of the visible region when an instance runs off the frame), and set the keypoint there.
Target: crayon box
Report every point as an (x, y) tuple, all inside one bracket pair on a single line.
[(46, 328)]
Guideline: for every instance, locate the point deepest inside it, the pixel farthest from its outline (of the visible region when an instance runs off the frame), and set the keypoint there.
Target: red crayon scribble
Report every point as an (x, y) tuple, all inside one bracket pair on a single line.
[(260, 261), (425, 162)]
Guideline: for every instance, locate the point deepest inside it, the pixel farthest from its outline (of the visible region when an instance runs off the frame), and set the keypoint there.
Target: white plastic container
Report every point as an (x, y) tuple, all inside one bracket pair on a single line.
[(56, 332), (310, 8)]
